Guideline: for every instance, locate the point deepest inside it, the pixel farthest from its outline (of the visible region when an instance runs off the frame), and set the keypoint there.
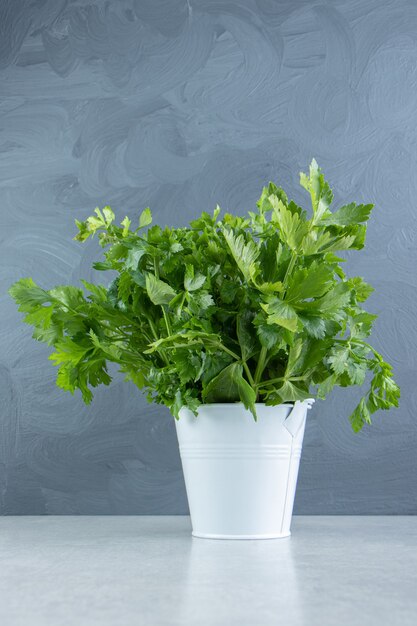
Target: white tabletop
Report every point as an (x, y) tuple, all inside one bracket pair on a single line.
[(141, 571)]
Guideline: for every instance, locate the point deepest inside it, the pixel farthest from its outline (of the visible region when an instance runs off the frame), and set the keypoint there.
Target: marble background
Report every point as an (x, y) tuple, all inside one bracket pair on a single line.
[(179, 105)]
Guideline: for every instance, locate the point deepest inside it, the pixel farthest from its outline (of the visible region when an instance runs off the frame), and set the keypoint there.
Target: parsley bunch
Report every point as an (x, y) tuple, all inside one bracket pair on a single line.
[(250, 309)]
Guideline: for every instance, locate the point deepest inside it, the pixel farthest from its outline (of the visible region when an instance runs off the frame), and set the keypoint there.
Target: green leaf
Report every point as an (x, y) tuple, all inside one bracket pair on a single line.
[(68, 296), (193, 282), (199, 303), (305, 354), (158, 291), (108, 215), (349, 214), (314, 242), (246, 335), (264, 203), (281, 313), (348, 359), (68, 351), (312, 282), (50, 334), (269, 336), (126, 225), (101, 221), (320, 192), (357, 370), (135, 375), (230, 386), (272, 255), (188, 364), (244, 254), (271, 288), (27, 294), (294, 356), (133, 257), (318, 327), (384, 392), (339, 358), (181, 399), (361, 324), (331, 303), (326, 386), (228, 291), (214, 363), (247, 395), (102, 266), (360, 416), (224, 386), (41, 317), (98, 292), (67, 378), (177, 404), (145, 218), (362, 289), (124, 287), (292, 227), (83, 231), (289, 392), (109, 349)]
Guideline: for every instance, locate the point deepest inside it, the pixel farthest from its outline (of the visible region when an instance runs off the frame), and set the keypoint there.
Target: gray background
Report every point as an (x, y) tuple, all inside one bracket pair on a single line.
[(178, 106)]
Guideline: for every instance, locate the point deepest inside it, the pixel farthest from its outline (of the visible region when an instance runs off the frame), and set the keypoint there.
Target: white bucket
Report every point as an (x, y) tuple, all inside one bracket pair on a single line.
[(241, 475)]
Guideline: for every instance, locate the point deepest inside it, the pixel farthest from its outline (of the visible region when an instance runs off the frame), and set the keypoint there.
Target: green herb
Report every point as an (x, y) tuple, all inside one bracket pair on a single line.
[(250, 309)]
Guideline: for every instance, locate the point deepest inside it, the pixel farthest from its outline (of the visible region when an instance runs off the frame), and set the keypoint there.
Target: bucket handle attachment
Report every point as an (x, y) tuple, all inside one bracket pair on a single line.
[(296, 418)]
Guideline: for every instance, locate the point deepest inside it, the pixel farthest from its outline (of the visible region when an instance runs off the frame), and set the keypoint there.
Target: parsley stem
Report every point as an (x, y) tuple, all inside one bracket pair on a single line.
[(167, 322), (362, 343), (278, 380), (375, 353), (260, 365), (164, 313), (237, 358), (155, 334), (248, 373)]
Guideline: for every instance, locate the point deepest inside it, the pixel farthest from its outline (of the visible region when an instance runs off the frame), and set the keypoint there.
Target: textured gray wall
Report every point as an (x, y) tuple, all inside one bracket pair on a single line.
[(178, 106)]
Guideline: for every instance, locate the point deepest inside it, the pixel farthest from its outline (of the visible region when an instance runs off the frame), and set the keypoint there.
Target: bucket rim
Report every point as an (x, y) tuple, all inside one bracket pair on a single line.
[(256, 404)]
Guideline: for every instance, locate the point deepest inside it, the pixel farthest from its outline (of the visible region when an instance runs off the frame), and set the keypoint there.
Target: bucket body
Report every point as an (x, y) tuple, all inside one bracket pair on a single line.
[(241, 475)]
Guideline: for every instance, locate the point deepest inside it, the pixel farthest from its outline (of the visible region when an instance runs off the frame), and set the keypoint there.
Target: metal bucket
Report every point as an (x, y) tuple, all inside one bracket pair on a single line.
[(241, 475)]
